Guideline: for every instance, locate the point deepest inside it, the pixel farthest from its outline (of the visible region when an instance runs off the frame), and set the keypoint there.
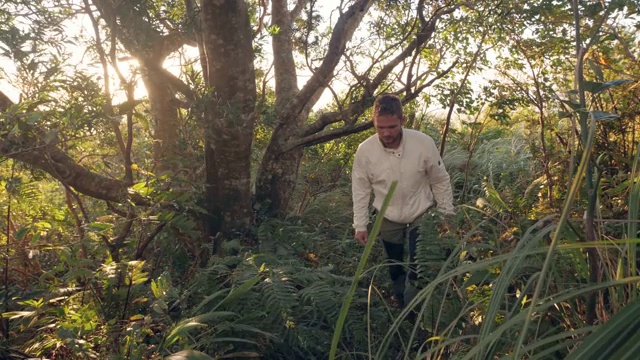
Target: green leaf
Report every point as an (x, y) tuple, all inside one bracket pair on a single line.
[(43, 225), (213, 315), (592, 87), (596, 69), (620, 189), (137, 274), (161, 286), (563, 114), (189, 355), (595, 87), (182, 223), (209, 299), (618, 338), (34, 118), (160, 307), (574, 106), (166, 215), (601, 115), (198, 209), (15, 130), (20, 234), (184, 326), (239, 291), (613, 83), (273, 30), (180, 330), (136, 317), (99, 226), (36, 237), (18, 314), (142, 188)]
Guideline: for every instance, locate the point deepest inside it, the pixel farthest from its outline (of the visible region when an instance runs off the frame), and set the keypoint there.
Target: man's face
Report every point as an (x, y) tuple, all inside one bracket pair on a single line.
[(389, 130)]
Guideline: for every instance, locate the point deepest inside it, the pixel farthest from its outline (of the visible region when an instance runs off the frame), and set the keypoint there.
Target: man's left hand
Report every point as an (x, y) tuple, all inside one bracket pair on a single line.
[(446, 224)]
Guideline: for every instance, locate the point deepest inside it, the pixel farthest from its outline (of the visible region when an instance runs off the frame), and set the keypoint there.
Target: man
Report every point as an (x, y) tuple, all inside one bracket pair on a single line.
[(411, 158)]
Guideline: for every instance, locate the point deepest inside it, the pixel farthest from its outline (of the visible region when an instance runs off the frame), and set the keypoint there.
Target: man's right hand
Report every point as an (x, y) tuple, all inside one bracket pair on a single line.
[(362, 237)]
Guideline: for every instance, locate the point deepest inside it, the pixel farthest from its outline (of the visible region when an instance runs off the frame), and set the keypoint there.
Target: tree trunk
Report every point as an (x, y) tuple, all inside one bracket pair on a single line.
[(276, 180), (278, 170), (279, 167), (127, 23), (229, 114), (166, 154)]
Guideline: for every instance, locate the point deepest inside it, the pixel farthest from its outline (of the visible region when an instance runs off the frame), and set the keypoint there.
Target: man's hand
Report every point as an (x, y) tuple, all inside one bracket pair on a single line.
[(446, 223), (362, 237)]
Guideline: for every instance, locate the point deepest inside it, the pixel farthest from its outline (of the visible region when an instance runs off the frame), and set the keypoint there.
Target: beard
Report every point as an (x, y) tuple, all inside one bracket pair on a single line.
[(390, 140)]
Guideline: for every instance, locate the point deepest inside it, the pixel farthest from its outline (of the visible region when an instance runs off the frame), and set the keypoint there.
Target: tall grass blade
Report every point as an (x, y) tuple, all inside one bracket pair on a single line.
[(424, 295), (189, 355), (209, 299), (618, 338), (186, 325), (540, 306), (551, 344), (500, 287), (239, 291), (634, 210), (566, 212), (363, 261)]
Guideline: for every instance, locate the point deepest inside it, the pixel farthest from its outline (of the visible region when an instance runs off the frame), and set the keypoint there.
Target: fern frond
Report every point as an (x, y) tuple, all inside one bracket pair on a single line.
[(493, 198)]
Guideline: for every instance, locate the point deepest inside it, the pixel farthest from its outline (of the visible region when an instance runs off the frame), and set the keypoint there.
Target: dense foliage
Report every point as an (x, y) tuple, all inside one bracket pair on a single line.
[(106, 244)]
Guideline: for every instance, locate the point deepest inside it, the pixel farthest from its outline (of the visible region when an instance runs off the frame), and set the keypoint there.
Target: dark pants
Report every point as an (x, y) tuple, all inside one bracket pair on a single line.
[(393, 236)]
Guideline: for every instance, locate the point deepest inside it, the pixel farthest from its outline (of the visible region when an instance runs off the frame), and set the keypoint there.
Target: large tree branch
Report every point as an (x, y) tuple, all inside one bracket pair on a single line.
[(61, 166), (366, 100), (423, 36), (332, 117), (315, 134), (297, 9), (148, 45), (48, 157), (284, 65), (342, 33), (322, 137), (142, 246), (177, 84), (416, 92), (138, 35)]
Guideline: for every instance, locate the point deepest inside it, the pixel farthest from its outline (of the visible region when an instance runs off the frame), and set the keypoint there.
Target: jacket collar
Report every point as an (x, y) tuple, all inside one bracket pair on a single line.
[(395, 152)]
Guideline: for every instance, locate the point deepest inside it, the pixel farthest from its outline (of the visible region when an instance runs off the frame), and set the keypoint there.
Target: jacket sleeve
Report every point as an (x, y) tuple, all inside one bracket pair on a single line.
[(439, 180), (361, 190)]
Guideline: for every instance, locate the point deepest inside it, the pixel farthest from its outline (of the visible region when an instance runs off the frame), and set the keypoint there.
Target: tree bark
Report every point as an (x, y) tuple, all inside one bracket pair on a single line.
[(165, 119), (278, 172), (230, 114)]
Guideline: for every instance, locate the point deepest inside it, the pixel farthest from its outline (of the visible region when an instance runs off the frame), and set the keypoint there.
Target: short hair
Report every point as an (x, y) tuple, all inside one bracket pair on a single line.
[(387, 104)]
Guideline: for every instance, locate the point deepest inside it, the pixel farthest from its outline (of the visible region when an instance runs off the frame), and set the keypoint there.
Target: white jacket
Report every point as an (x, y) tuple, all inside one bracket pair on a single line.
[(416, 164)]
